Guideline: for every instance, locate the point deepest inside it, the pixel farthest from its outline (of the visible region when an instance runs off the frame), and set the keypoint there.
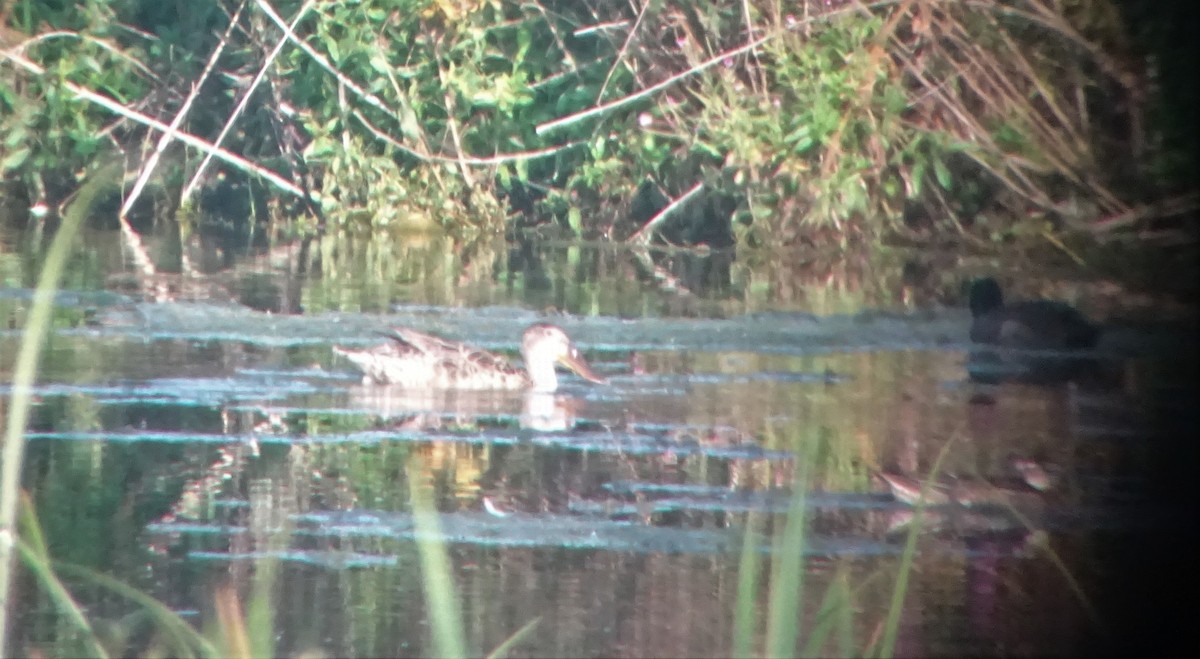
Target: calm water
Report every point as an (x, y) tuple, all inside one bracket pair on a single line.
[(185, 446)]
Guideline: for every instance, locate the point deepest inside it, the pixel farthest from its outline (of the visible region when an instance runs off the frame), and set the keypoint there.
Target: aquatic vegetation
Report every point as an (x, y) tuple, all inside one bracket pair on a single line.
[(838, 124)]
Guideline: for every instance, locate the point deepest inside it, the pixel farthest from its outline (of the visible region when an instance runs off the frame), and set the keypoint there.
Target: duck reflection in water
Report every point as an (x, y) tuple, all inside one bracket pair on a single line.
[(430, 410), (1036, 341), (542, 412)]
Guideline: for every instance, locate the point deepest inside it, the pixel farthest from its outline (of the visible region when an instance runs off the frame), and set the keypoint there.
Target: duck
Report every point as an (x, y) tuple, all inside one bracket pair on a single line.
[(1027, 324), (964, 507), (1034, 484), (413, 359), (1040, 331)]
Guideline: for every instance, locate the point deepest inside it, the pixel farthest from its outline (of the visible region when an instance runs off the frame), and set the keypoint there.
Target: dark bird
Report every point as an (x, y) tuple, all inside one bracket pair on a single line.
[(1044, 326), (1028, 324)]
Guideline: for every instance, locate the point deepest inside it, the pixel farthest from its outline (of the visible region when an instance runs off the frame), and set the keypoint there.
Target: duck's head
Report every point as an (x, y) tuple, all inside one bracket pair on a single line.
[(985, 296), (543, 346)]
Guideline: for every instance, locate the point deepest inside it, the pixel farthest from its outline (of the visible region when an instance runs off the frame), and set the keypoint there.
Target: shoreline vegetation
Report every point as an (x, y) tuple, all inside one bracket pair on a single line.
[(832, 123)]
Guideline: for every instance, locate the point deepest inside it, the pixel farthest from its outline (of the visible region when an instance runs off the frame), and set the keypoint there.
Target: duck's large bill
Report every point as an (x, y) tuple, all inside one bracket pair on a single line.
[(576, 363)]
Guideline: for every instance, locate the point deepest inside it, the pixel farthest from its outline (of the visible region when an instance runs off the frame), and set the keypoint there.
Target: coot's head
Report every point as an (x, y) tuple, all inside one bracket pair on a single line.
[(985, 296)]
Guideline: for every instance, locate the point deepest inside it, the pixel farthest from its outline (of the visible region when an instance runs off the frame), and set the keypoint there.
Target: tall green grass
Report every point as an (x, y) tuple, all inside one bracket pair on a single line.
[(788, 630), (25, 372), (27, 539), (236, 631)]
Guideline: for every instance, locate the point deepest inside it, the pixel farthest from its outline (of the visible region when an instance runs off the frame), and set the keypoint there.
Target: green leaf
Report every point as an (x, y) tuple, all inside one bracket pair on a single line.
[(15, 159), (802, 131), (942, 173), (379, 63), (891, 187), (918, 177)]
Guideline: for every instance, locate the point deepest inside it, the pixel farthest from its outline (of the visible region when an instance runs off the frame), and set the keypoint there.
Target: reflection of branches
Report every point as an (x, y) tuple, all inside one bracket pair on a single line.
[(660, 276), (191, 502)]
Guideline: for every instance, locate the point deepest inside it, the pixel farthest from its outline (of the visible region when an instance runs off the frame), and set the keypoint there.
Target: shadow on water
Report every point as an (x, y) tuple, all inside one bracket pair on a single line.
[(173, 443)]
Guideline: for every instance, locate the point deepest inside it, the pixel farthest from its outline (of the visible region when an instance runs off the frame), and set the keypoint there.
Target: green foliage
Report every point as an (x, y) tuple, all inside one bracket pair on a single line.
[(44, 128), (444, 85), (840, 122)]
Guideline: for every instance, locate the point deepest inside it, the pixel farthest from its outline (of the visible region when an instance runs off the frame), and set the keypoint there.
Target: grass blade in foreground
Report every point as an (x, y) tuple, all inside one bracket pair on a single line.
[(511, 642), (787, 568), (891, 625), (25, 371), (747, 593), (444, 613)]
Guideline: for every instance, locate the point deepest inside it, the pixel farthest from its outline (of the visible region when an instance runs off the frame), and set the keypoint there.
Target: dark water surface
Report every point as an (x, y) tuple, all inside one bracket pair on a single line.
[(179, 446)]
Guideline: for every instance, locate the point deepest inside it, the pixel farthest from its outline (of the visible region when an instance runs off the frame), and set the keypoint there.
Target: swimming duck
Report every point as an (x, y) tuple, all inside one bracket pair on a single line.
[(960, 491), (1028, 324), (414, 359)]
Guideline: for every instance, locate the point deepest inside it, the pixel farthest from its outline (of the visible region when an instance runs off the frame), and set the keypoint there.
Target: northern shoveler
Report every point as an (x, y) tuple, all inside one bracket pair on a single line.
[(414, 359)]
